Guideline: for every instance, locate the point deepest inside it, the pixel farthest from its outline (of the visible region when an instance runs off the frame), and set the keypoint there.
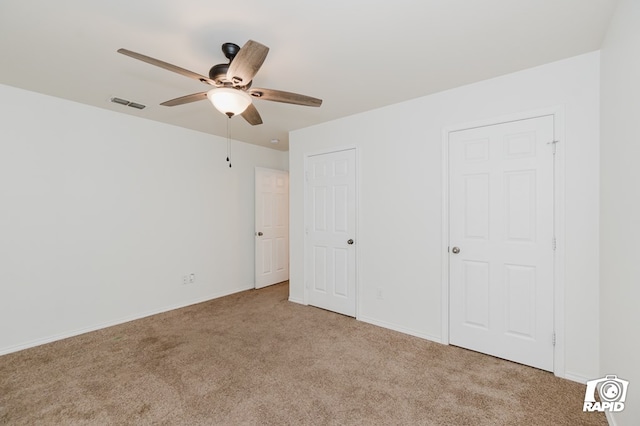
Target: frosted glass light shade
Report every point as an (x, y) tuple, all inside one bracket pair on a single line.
[(229, 101)]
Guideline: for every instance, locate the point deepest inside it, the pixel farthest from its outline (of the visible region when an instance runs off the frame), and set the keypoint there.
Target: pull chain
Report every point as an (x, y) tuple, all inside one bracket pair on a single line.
[(228, 144)]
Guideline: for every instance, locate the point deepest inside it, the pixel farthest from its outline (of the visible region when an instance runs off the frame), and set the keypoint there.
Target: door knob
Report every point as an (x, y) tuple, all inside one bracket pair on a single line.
[(349, 241), (259, 233), (455, 250)]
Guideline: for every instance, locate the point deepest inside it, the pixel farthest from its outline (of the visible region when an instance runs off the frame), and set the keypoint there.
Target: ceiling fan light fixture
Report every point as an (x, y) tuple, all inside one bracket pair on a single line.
[(229, 101), (229, 95)]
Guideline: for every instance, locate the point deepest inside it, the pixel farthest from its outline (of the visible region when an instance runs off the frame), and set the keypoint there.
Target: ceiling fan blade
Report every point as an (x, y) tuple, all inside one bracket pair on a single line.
[(252, 115), (186, 99), (246, 63), (285, 97), (167, 66)]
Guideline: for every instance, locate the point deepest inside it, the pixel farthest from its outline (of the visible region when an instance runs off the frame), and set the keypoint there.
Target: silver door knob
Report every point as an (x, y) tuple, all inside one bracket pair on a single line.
[(349, 241), (455, 250), (260, 234)]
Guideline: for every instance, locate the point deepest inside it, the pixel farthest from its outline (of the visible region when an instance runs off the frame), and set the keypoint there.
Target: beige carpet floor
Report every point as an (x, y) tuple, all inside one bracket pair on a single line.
[(254, 358)]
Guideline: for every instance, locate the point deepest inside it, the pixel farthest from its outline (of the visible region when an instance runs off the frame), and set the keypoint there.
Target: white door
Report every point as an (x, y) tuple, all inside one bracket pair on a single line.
[(272, 226), (330, 222), (501, 240)]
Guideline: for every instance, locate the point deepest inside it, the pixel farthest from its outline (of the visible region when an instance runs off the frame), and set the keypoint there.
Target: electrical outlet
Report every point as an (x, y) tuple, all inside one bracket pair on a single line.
[(192, 278), (379, 293), (185, 280)]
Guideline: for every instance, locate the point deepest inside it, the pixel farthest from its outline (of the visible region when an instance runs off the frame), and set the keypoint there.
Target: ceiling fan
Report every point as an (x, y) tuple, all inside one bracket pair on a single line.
[(232, 93)]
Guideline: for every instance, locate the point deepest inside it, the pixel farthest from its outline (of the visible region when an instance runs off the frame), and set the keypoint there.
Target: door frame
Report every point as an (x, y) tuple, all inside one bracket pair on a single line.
[(307, 155), (558, 222)]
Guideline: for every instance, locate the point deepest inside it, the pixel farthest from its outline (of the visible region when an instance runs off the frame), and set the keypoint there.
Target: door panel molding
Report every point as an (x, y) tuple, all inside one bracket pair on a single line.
[(559, 218)]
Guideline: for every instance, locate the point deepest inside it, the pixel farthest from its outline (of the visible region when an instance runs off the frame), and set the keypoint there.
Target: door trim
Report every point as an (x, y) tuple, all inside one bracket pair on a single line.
[(357, 215), (559, 220)]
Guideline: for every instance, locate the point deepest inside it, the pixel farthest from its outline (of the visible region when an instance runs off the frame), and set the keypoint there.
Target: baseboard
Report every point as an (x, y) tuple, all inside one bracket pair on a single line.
[(400, 329), (296, 300), (581, 379), (77, 332), (575, 377)]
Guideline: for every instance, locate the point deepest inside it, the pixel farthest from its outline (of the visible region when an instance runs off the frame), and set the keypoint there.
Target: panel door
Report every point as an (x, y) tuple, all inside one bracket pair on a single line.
[(330, 231), (271, 227), (501, 240)]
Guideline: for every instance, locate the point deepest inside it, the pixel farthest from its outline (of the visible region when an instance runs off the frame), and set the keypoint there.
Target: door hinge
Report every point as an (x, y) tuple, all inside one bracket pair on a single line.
[(554, 243), (553, 338)]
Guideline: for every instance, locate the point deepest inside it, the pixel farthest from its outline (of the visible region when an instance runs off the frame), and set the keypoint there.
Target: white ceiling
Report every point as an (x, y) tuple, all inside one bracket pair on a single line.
[(356, 55)]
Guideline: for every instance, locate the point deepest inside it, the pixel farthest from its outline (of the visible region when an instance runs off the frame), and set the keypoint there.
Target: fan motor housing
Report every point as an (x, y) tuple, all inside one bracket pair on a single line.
[(218, 73)]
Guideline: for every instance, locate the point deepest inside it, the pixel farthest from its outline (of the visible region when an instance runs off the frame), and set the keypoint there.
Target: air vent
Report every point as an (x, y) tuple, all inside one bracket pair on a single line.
[(127, 103)]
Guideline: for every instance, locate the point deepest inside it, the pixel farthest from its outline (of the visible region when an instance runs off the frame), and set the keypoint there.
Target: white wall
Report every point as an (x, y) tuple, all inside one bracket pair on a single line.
[(400, 188), (620, 208), (101, 214)]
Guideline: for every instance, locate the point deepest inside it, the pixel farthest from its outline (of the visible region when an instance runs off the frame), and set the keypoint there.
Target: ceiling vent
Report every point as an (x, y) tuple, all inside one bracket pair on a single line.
[(127, 103)]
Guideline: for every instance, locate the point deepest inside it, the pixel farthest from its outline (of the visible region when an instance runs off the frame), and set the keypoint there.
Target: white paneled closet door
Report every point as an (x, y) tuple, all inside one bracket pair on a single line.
[(501, 240)]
